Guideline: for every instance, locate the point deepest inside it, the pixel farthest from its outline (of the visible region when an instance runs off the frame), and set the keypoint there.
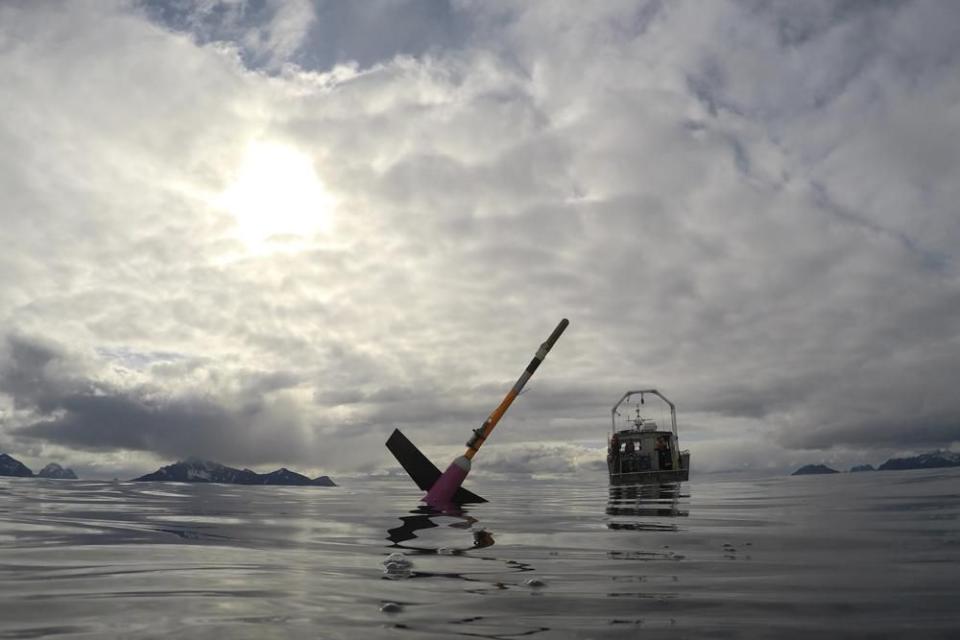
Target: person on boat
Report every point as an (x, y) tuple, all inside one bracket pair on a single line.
[(663, 454)]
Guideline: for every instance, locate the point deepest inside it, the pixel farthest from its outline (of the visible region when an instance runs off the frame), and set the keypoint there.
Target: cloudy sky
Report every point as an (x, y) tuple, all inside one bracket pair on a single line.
[(268, 232)]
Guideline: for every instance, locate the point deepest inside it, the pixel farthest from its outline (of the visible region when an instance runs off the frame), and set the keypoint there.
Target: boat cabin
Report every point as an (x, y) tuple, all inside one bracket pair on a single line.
[(643, 451)]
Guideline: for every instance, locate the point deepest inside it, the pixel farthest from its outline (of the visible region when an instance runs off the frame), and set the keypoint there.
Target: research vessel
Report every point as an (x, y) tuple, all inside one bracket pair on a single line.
[(643, 452)]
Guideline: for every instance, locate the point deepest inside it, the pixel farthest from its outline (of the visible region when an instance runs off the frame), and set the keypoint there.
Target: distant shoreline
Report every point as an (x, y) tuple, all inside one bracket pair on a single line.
[(191, 470), (932, 460)]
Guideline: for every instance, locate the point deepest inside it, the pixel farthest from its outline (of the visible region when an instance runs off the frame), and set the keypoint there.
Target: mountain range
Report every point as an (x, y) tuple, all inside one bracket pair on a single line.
[(197, 470), (55, 471), (10, 466), (933, 460), (189, 470)]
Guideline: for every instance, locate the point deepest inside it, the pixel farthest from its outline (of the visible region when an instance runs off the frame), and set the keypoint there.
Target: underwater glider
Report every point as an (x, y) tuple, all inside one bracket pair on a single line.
[(444, 488)]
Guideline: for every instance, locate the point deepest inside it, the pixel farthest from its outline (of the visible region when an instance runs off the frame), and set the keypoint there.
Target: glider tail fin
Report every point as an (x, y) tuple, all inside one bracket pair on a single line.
[(419, 467)]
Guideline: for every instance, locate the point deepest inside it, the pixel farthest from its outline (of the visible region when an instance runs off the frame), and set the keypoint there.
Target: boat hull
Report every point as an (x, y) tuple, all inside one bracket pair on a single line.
[(654, 476), (650, 477)]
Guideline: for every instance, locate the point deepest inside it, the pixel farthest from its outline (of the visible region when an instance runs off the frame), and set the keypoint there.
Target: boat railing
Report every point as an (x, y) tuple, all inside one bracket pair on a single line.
[(641, 393)]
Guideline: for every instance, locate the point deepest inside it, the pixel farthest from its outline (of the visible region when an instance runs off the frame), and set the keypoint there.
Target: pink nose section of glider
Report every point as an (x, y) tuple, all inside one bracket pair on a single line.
[(443, 490)]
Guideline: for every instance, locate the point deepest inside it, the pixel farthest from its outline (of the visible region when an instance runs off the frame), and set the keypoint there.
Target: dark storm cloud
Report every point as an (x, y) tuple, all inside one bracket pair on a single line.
[(33, 374), (71, 409), (104, 422), (915, 432)]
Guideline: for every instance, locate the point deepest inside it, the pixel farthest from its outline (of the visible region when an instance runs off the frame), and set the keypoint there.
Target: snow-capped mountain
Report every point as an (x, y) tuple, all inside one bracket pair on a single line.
[(932, 460), (55, 471), (197, 470)]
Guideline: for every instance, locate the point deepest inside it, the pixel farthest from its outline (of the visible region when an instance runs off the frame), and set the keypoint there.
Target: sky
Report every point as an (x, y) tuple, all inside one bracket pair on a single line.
[(269, 232)]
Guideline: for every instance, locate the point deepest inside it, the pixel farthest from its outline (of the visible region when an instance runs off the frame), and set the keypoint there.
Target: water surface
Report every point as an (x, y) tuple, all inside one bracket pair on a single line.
[(851, 555)]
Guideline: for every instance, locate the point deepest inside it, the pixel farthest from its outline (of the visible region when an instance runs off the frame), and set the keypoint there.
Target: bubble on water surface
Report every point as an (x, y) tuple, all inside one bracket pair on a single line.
[(397, 566)]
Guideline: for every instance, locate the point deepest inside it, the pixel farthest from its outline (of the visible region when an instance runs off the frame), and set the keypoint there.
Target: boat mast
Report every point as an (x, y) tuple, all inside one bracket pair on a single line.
[(626, 396)]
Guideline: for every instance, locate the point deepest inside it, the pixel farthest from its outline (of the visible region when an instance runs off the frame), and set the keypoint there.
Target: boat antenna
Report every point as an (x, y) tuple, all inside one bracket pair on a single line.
[(626, 396)]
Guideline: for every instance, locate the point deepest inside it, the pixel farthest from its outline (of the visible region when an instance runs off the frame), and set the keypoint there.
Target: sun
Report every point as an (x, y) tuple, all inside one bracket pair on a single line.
[(276, 198)]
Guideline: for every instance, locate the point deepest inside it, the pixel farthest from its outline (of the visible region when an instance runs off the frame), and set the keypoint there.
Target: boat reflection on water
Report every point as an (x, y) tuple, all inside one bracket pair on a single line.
[(634, 507), (425, 517)]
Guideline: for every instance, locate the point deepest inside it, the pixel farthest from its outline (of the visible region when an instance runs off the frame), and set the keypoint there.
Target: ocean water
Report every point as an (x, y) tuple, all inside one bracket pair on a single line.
[(867, 555)]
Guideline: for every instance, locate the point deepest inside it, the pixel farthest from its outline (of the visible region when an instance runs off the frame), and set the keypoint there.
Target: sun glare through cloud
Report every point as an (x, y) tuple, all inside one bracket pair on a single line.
[(276, 198), (256, 248)]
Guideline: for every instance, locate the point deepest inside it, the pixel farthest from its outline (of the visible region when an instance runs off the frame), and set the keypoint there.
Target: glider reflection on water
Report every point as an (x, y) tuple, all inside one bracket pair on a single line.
[(425, 517)]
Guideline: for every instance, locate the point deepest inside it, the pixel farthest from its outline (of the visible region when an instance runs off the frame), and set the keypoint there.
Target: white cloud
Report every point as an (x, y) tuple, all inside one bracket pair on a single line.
[(747, 206)]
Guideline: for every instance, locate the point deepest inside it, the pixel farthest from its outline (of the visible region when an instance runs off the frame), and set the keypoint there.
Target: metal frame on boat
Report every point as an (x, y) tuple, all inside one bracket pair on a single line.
[(643, 452)]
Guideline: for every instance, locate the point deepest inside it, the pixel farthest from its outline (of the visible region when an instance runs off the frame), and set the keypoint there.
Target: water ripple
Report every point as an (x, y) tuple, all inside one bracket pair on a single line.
[(786, 557)]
